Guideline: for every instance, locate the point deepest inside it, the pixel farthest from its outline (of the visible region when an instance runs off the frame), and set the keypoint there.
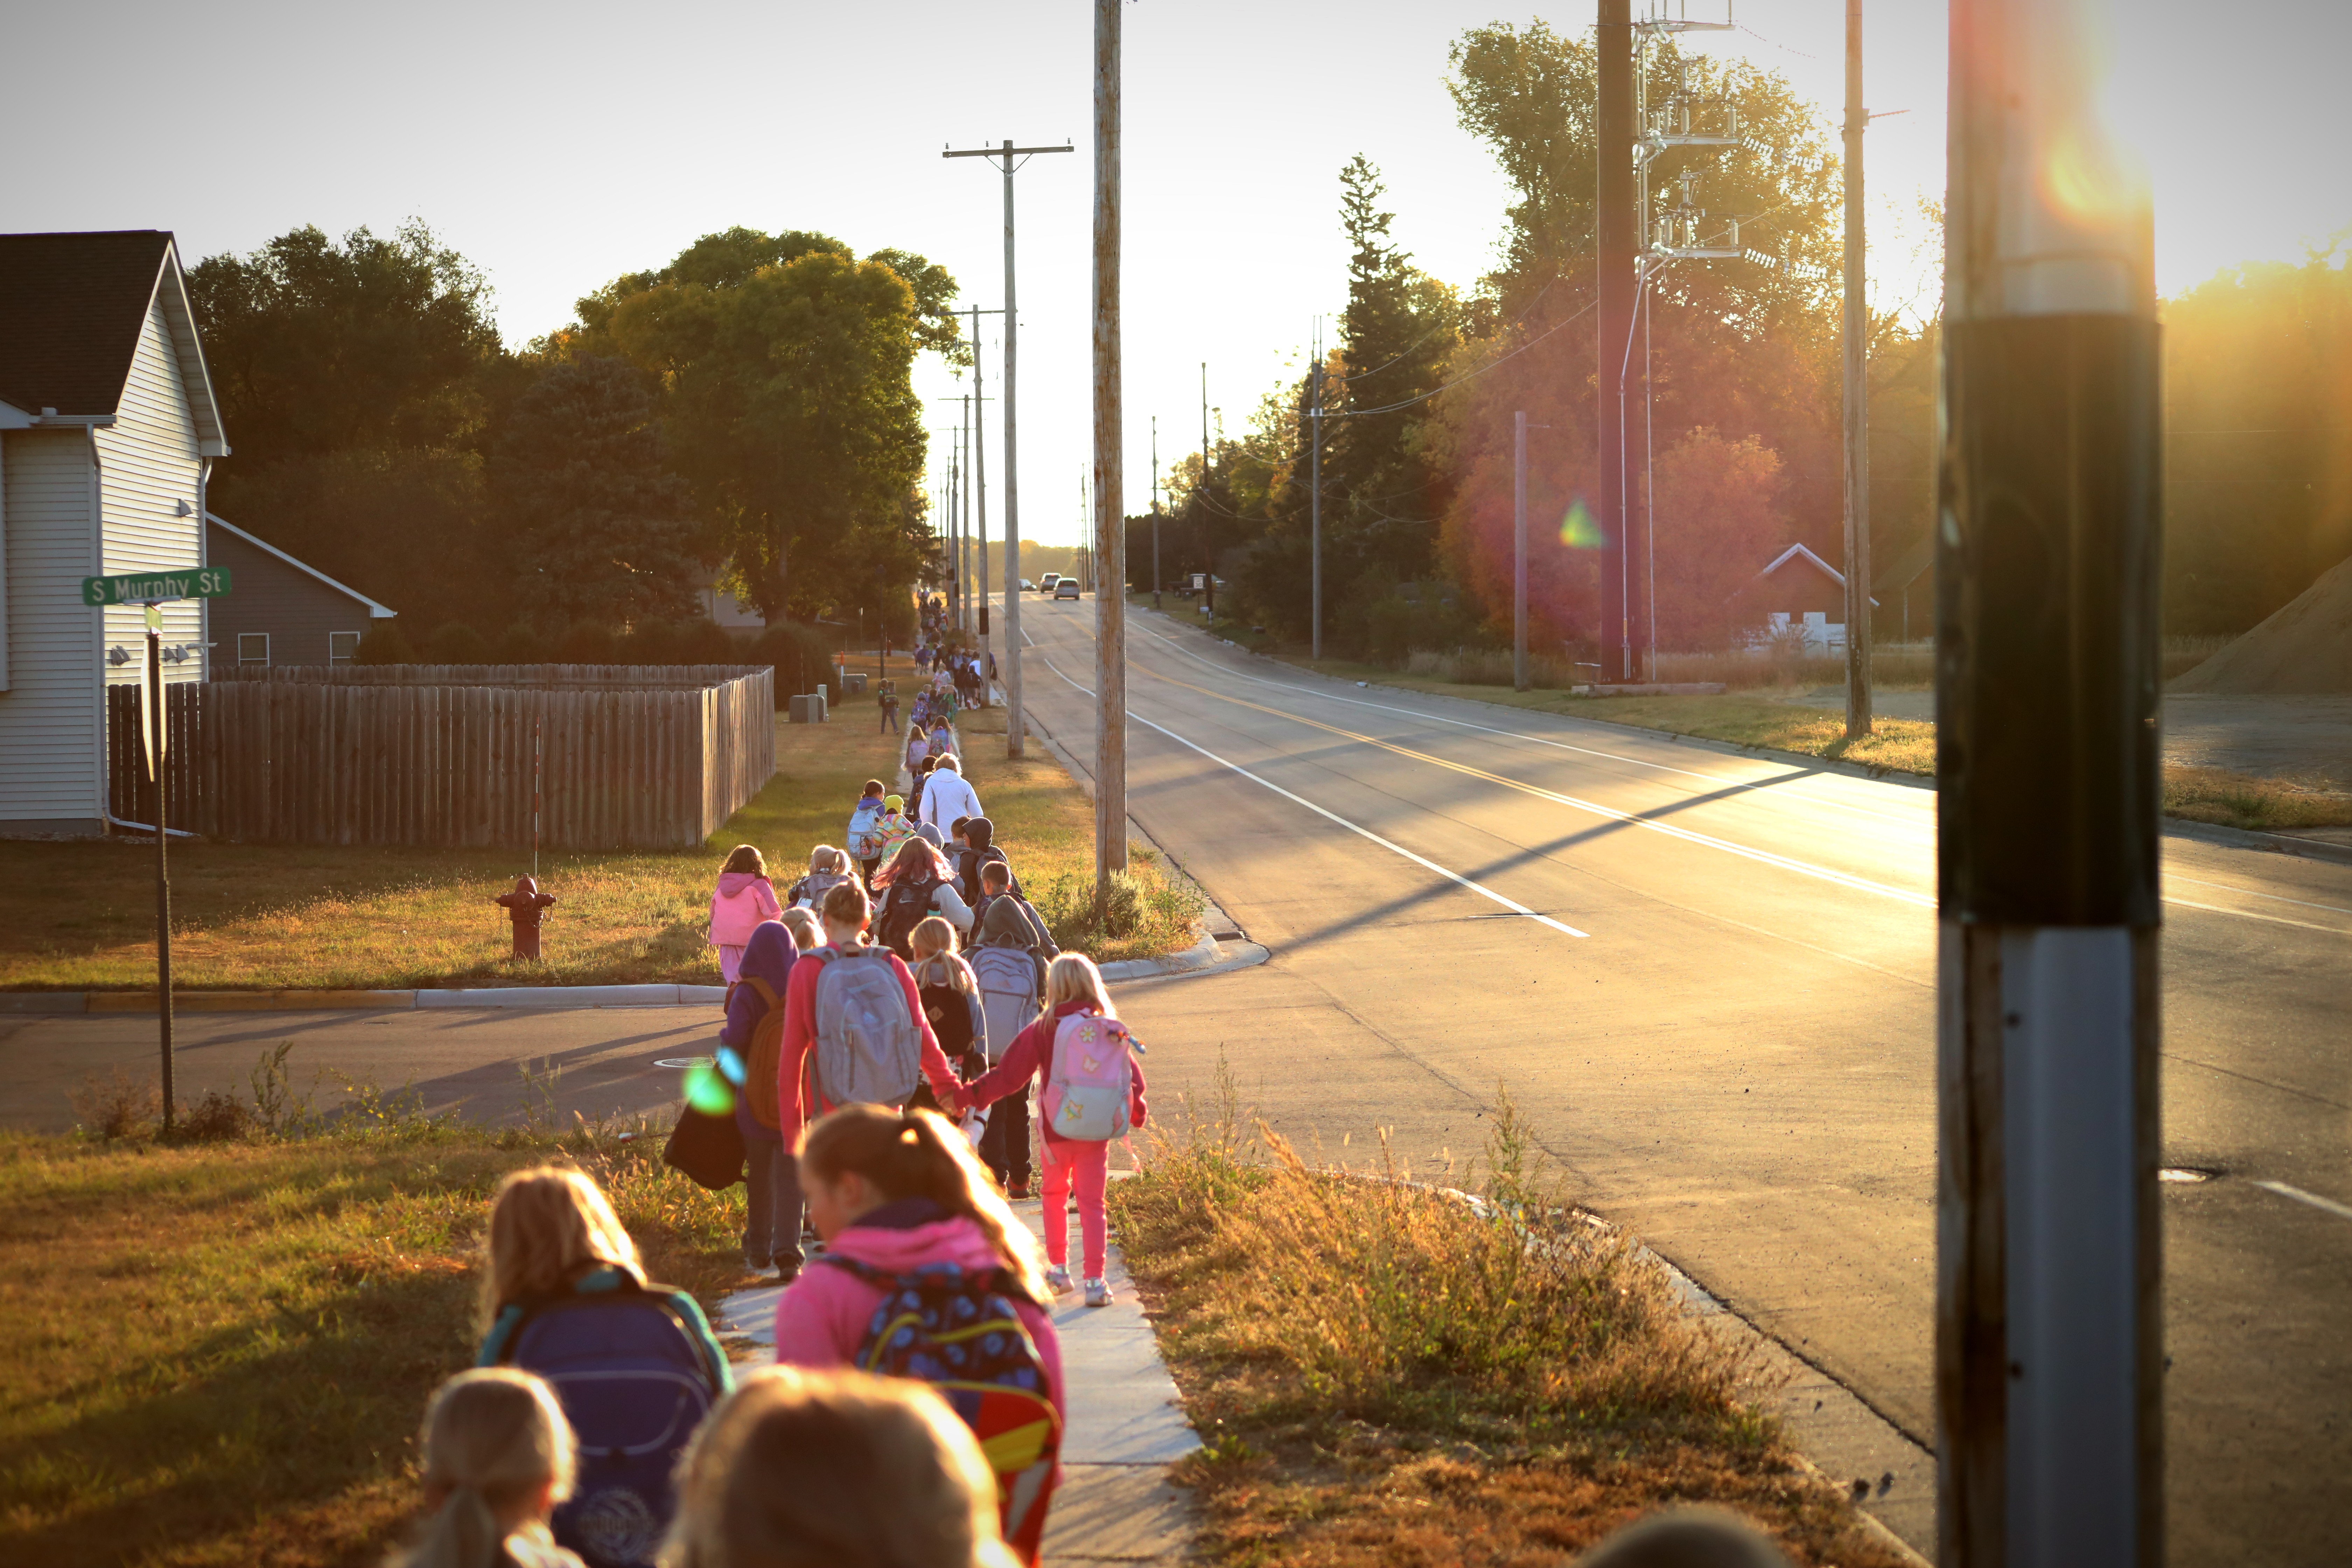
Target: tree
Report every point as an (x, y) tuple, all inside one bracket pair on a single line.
[(789, 400), (316, 347), (1718, 524), (599, 527)]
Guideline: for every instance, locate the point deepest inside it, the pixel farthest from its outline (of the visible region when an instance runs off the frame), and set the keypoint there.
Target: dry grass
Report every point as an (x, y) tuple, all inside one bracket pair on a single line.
[(218, 1353), (2243, 800), (81, 916), (1387, 1374)]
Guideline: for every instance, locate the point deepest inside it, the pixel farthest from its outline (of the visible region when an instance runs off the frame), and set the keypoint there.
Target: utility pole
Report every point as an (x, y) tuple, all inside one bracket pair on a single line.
[(979, 456), (159, 729), (1111, 525), (955, 468), (1613, 234), (1155, 511), (1315, 487), (1208, 581), (1857, 398), (1014, 730), (963, 534), (2049, 1352), (1520, 550)]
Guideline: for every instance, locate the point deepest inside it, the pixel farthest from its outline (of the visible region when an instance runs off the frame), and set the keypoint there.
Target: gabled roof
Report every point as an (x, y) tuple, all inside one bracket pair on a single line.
[(375, 612), (71, 309), (1797, 551)]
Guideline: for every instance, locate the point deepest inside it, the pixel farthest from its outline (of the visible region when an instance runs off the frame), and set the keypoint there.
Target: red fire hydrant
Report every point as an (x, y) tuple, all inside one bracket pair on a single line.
[(523, 905)]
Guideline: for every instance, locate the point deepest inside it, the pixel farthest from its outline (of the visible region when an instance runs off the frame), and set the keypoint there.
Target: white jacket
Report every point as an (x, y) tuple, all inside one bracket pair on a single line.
[(946, 796)]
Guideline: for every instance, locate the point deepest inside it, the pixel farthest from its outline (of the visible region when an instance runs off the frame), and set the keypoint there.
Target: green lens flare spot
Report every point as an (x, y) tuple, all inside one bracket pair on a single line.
[(1577, 529), (707, 1091)]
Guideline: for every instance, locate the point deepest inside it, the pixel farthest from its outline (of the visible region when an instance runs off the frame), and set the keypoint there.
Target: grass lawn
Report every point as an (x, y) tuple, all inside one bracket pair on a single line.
[(81, 916), (219, 1354), (1903, 745), (1389, 1375)]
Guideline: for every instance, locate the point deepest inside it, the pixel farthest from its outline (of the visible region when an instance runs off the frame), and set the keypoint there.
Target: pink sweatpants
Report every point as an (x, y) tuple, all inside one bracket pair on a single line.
[(730, 962), (1089, 1165)]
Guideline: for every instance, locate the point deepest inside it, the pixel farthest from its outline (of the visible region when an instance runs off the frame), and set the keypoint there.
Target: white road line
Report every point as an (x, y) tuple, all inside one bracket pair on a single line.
[(1480, 889), (2251, 893), (2251, 915), (2341, 1211), (1742, 784)]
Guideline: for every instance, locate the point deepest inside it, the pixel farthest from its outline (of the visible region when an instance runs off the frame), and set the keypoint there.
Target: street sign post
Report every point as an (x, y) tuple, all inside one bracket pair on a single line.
[(151, 589)]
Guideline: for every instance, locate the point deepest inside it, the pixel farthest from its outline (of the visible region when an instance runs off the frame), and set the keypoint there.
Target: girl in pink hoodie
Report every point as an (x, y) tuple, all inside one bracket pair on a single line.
[(892, 1192), (744, 898)]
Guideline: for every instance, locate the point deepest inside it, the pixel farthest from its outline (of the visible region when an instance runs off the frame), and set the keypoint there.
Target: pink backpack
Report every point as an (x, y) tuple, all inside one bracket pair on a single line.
[(1092, 1083)]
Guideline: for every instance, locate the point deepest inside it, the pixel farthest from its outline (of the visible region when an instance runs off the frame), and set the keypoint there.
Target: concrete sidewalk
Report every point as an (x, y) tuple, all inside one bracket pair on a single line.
[(1126, 1426)]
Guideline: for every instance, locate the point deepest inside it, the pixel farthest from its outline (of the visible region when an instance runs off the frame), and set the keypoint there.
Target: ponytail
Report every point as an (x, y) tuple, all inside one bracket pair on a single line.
[(492, 1437), (917, 1153)]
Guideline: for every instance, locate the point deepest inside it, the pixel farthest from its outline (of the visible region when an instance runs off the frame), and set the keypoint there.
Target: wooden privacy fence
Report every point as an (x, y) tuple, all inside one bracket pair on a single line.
[(625, 757)]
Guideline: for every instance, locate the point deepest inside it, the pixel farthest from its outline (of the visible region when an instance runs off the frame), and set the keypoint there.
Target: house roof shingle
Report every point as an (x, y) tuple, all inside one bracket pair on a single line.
[(71, 310)]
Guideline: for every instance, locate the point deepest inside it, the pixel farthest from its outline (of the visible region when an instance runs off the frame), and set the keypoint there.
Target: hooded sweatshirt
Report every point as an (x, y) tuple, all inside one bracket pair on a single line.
[(744, 899), (823, 1316), (797, 1098), (947, 796), (770, 956)]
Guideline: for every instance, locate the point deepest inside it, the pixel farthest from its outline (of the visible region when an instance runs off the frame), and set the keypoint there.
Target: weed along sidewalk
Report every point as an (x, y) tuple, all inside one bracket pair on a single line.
[(79, 917), (1386, 1373), (1126, 1433)]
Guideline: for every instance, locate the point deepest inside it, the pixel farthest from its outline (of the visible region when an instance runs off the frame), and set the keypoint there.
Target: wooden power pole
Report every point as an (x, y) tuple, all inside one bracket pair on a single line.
[(1857, 398), (1111, 525), (1614, 242)]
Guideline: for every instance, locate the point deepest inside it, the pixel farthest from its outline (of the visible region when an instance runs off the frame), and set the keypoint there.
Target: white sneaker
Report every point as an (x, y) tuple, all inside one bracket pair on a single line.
[(1057, 1281), (1098, 1293)]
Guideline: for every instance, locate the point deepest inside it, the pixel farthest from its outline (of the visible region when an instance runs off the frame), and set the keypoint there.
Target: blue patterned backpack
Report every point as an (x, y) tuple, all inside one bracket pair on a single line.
[(960, 1332)]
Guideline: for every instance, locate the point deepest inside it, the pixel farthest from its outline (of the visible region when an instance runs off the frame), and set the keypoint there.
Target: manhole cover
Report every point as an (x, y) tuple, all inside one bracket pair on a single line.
[(690, 1062), (2183, 1173)]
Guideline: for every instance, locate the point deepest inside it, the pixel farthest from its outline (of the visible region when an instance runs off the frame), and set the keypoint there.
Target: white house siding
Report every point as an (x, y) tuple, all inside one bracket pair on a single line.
[(49, 720), (148, 464)]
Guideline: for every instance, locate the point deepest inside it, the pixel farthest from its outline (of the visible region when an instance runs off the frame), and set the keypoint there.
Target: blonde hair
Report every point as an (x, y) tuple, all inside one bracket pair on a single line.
[(933, 943), (826, 858), (1073, 977), (800, 1468), (548, 1227), (807, 933), (492, 1437), (918, 1154)]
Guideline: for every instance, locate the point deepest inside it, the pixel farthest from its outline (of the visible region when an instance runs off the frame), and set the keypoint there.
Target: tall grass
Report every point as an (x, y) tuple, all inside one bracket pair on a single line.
[(1501, 1314)]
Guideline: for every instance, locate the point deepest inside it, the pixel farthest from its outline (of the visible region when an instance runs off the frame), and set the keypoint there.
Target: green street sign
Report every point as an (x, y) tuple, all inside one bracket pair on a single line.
[(151, 588)]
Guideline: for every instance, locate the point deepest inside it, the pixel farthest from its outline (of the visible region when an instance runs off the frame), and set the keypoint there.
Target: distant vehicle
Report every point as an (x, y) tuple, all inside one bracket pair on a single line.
[(1027, 586), (1046, 584), (1067, 588)]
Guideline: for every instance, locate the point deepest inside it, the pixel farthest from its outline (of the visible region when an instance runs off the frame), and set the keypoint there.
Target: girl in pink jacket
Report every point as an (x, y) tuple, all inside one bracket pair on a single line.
[(892, 1192), (1079, 1166), (743, 898)]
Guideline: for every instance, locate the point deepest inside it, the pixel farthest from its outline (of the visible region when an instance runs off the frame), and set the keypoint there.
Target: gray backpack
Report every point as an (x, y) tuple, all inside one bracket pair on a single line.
[(869, 1050), (1010, 983)]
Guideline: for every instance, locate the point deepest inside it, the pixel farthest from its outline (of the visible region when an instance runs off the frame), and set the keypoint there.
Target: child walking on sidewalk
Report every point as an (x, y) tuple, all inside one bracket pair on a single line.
[(1091, 1092), (743, 898)]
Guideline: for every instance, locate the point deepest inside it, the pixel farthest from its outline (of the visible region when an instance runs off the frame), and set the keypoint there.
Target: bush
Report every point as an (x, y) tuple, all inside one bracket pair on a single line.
[(587, 642), (455, 642), (651, 642), (384, 644), (518, 643), (705, 641), (117, 1106), (801, 656)]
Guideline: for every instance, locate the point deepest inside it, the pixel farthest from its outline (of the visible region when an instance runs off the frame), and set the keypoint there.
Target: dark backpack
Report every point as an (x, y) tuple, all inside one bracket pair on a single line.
[(962, 1334), (904, 905), (635, 1386), (951, 1015)]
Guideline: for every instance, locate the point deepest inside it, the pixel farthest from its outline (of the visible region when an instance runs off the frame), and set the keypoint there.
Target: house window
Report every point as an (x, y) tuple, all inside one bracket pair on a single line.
[(253, 648), (342, 646)]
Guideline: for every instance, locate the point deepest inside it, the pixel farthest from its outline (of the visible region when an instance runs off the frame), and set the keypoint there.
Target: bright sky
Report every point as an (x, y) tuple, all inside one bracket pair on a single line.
[(557, 145)]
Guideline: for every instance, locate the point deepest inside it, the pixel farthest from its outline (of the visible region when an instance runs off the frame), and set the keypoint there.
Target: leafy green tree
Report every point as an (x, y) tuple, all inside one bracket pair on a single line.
[(317, 347), (787, 363), (599, 529)]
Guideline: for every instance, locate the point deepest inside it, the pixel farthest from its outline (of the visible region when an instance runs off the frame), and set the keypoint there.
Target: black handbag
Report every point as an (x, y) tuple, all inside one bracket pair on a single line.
[(709, 1149)]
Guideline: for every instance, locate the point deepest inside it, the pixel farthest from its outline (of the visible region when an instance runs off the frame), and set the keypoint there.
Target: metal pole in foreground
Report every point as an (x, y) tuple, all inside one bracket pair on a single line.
[(1857, 398), (1110, 488), (158, 731), (1520, 550), (2049, 1357)]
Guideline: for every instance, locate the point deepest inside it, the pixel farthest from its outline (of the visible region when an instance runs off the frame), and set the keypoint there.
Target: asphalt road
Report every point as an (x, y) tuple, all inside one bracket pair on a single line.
[(1709, 981)]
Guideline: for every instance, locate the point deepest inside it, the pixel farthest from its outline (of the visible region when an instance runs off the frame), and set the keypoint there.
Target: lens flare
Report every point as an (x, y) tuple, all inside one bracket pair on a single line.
[(1577, 529), (708, 1092), (730, 1065)]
